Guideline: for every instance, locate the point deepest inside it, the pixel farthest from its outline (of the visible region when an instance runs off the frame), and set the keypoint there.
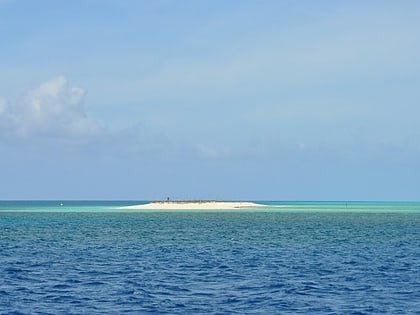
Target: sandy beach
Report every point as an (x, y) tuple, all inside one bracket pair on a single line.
[(194, 205)]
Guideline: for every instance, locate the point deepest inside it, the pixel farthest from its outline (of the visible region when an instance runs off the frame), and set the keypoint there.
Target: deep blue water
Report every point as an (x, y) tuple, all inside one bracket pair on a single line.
[(319, 258)]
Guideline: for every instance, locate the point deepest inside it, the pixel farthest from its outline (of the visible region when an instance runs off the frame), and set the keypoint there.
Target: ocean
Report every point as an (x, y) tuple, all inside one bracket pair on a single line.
[(88, 257)]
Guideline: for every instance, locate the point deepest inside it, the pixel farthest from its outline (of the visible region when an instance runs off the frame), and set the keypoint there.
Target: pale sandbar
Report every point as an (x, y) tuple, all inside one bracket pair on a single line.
[(195, 205)]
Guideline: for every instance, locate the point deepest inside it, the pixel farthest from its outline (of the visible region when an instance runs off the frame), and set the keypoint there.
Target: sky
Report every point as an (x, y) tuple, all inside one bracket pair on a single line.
[(210, 99)]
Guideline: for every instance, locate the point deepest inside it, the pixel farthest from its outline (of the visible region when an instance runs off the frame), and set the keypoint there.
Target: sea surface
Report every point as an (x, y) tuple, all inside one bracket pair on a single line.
[(89, 257)]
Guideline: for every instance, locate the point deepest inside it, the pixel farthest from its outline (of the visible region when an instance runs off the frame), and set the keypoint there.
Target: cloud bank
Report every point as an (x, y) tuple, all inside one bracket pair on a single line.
[(52, 110)]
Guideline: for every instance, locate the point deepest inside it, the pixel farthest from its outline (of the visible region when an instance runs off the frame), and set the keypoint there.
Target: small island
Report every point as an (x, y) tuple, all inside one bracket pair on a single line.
[(195, 205)]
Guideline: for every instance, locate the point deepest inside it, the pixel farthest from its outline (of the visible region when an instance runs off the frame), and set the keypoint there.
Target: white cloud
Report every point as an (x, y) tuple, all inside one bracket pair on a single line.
[(53, 110), (7, 120)]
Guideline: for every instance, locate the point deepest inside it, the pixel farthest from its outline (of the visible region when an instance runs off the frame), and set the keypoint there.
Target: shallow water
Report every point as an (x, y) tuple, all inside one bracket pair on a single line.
[(92, 259)]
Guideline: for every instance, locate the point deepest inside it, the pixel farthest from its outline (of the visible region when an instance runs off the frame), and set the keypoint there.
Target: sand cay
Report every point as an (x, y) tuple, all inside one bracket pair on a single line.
[(195, 205)]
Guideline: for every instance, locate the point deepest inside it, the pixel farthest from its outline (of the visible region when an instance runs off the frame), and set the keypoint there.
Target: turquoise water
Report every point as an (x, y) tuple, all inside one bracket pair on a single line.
[(303, 258)]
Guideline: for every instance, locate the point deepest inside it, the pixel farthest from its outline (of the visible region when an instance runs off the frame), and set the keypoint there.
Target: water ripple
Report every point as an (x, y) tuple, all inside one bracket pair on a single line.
[(209, 263)]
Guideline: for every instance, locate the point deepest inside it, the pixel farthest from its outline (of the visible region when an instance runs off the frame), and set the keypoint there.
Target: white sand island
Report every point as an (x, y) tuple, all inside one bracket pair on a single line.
[(195, 205)]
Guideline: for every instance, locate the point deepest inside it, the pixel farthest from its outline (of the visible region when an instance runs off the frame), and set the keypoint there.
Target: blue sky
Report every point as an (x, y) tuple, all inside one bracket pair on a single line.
[(268, 100)]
